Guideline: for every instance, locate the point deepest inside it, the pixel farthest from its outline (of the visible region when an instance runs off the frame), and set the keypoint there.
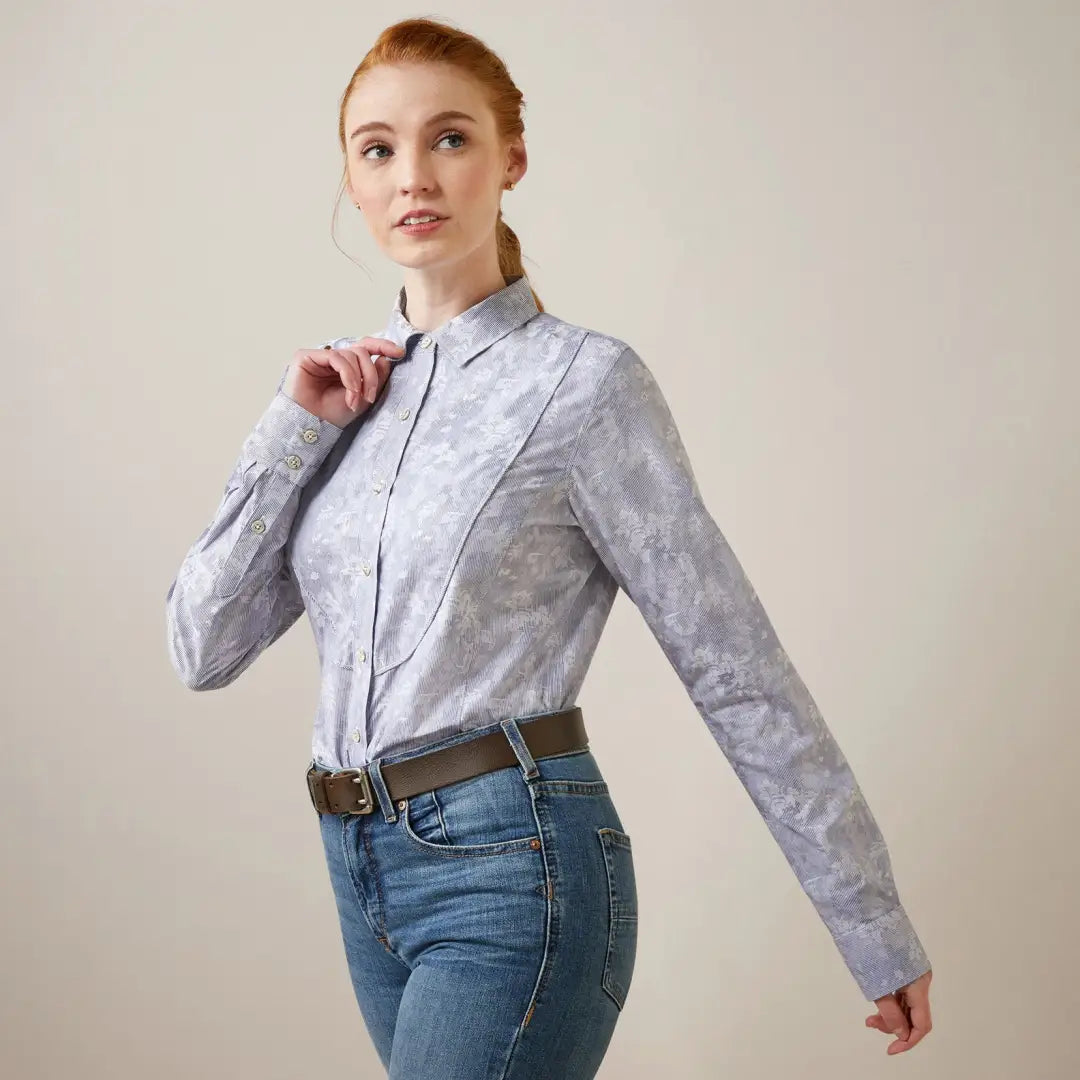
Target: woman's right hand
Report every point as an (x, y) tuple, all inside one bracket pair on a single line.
[(338, 385)]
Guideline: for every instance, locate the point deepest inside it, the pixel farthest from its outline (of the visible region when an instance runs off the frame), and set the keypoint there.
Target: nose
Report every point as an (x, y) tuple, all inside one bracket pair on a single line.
[(416, 175)]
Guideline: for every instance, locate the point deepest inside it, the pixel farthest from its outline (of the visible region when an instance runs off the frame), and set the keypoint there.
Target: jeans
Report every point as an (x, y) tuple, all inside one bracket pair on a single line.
[(489, 925)]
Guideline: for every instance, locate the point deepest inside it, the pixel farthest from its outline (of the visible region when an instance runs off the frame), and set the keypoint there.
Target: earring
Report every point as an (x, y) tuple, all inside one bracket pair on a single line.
[(510, 186)]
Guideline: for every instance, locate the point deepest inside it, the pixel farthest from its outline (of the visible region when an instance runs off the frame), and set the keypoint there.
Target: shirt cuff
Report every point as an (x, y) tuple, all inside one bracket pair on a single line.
[(884, 954), (290, 440)]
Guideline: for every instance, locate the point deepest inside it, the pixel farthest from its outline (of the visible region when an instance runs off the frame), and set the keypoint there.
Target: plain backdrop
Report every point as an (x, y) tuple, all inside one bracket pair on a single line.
[(844, 236)]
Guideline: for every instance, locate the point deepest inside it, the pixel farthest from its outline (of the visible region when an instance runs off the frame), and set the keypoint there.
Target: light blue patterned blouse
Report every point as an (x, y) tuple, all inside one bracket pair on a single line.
[(458, 548)]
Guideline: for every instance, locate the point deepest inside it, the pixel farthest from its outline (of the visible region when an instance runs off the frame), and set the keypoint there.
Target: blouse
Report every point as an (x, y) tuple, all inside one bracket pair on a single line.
[(458, 548)]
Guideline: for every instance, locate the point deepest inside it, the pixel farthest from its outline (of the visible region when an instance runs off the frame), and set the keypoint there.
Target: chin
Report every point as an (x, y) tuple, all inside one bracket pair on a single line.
[(419, 256)]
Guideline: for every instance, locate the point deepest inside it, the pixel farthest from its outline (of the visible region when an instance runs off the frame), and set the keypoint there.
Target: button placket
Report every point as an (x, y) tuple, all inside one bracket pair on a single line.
[(386, 469)]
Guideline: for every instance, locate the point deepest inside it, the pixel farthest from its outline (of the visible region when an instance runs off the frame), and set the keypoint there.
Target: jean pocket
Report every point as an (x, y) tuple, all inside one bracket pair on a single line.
[(622, 913), (491, 814)]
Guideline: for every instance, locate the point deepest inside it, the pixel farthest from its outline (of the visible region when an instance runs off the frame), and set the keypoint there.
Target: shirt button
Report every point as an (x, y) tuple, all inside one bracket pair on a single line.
[(365, 566), (377, 486), (361, 655), (403, 415), (258, 526), (356, 736), (293, 461), (425, 343), (310, 435)]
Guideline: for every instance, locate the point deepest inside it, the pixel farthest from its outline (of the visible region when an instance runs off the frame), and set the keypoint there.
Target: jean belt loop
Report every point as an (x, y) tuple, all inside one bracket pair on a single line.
[(375, 776), (517, 741)]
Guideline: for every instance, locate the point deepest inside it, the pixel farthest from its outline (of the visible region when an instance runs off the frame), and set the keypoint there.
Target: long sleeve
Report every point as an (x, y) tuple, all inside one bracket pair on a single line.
[(235, 594), (634, 494)]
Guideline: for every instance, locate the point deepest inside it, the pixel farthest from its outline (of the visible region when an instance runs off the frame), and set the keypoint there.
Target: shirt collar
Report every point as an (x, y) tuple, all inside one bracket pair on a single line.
[(474, 329)]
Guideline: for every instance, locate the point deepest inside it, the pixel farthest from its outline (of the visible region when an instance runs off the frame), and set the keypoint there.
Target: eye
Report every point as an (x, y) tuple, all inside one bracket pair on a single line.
[(445, 135), (453, 135)]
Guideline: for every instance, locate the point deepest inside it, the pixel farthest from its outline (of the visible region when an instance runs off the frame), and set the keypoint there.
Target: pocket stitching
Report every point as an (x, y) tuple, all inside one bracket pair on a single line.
[(461, 851), (573, 787), (618, 922)]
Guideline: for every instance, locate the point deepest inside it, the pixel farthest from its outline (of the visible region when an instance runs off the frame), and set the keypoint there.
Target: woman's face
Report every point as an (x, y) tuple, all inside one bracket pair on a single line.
[(454, 165)]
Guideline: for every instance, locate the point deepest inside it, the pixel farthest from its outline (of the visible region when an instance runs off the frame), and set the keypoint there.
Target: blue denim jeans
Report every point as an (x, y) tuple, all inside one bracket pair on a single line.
[(489, 925)]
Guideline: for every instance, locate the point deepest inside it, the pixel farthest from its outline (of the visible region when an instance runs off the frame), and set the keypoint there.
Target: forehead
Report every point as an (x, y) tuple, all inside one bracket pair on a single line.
[(405, 95)]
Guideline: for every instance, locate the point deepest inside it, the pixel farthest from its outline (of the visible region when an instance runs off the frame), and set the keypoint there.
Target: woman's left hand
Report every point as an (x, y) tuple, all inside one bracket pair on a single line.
[(904, 1013)]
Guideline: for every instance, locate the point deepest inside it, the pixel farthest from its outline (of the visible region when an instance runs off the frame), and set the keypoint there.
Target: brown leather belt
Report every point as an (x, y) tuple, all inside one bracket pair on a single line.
[(349, 791)]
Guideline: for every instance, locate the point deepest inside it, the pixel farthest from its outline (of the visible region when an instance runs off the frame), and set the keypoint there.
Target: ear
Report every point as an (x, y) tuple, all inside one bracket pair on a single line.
[(517, 158)]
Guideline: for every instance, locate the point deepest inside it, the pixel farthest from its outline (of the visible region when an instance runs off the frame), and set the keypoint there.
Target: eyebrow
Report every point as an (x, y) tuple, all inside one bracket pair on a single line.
[(448, 114)]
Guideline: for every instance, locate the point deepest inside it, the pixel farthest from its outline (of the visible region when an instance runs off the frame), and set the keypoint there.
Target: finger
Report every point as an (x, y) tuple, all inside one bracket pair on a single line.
[(900, 1045), (345, 364), (369, 374), (894, 1019), (921, 1022), (878, 1024), (382, 366), (382, 346)]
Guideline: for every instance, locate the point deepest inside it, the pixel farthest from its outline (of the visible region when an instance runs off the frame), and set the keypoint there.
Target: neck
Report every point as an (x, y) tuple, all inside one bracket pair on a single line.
[(433, 297)]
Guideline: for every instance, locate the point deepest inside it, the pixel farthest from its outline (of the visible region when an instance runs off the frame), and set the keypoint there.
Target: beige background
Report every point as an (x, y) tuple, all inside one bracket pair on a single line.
[(845, 238)]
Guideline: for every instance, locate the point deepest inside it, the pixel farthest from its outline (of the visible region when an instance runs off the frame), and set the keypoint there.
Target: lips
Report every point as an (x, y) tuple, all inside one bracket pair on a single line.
[(420, 213)]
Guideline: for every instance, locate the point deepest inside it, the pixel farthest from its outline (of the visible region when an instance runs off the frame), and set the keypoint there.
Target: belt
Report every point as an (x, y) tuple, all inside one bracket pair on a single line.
[(349, 791)]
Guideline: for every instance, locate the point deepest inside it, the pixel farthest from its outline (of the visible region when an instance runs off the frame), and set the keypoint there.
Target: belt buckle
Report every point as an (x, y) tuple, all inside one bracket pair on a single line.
[(365, 801)]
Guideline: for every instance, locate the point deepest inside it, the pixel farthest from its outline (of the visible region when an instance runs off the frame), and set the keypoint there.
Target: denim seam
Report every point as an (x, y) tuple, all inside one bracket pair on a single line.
[(611, 987), (439, 813), (564, 753), (547, 959), (384, 935), (350, 872), (575, 787)]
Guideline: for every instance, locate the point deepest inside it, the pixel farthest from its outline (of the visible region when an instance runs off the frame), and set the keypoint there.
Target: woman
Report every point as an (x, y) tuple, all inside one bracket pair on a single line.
[(455, 503)]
